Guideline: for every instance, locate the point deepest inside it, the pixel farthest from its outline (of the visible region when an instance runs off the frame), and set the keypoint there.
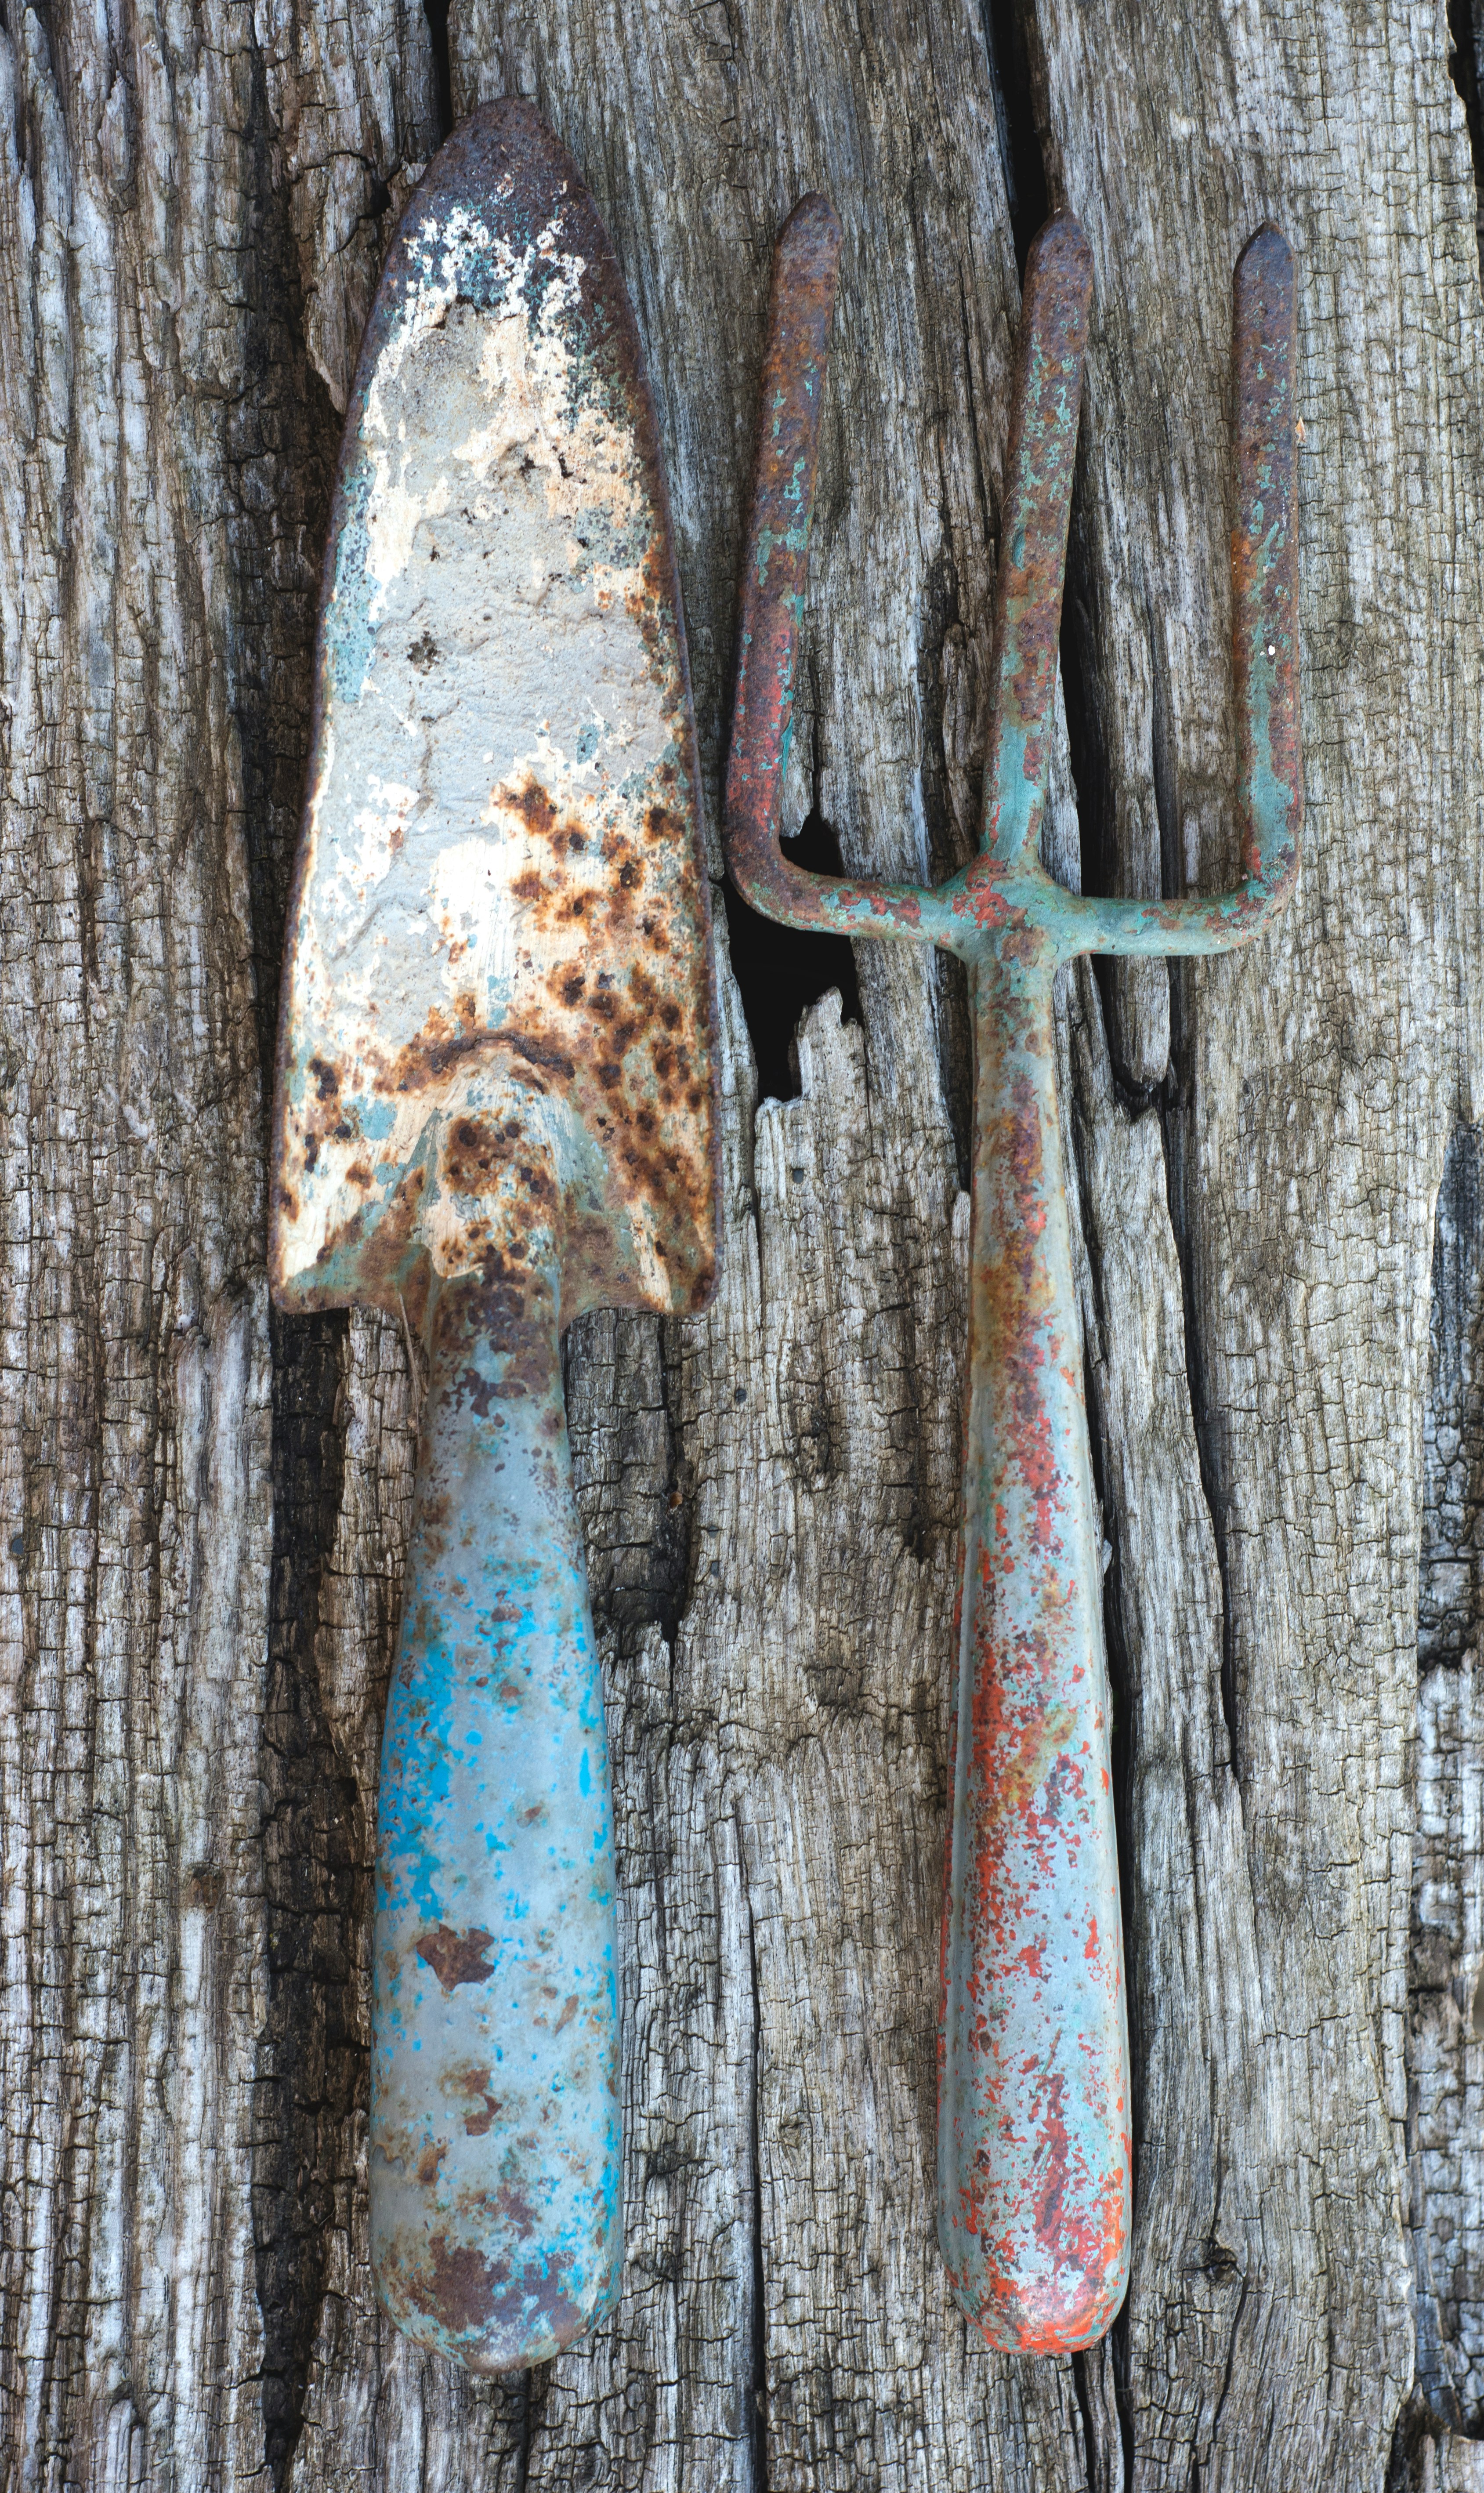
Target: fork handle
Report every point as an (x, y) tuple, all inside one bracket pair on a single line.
[(1034, 2158)]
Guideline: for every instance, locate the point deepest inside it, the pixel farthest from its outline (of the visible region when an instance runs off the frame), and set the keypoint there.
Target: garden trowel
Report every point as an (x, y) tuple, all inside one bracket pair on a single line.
[(496, 1110)]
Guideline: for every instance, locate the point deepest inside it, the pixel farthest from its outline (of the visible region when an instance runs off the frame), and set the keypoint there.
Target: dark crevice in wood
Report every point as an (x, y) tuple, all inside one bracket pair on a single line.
[(1230, 2363), (1087, 751), (1465, 67), (1450, 1593), (1021, 163), (529, 2389), (1433, 2389), (1412, 2464), (1164, 771), (947, 851), (437, 13), (1083, 2396), (641, 1555), (781, 971), (672, 1550), (1444, 2106), (1164, 775), (1120, 2354), (287, 438), (1175, 1111), (758, 2368), (311, 2062), (1092, 775)]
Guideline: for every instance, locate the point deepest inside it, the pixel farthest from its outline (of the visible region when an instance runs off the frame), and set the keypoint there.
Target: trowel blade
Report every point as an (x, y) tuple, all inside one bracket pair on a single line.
[(497, 1037)]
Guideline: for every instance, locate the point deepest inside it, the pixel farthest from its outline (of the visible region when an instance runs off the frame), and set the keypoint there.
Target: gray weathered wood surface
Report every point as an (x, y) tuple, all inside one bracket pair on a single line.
[(204, 1509)]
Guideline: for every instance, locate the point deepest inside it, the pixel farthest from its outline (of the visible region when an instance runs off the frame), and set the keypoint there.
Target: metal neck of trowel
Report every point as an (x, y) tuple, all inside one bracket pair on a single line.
[(496, 1108), (1034, 2167)]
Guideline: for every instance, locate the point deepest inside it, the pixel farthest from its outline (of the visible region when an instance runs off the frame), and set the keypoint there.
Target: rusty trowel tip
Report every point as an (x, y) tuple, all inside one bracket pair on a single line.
[(502, 148), (512, 119)]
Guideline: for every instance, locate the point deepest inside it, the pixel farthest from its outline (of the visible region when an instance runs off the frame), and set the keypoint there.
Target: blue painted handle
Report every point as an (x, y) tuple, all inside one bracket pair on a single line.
[(495, 2142)]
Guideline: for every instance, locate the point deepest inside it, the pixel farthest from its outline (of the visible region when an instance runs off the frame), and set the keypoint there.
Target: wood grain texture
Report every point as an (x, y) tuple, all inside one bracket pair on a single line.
[(206, 1510)]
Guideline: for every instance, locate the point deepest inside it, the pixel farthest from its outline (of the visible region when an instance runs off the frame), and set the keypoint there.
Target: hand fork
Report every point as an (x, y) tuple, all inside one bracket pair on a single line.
[(1033, 2177)]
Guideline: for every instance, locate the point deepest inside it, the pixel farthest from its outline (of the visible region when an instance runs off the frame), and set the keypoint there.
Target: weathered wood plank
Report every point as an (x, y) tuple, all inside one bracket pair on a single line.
[(159, 548), (191, 213)]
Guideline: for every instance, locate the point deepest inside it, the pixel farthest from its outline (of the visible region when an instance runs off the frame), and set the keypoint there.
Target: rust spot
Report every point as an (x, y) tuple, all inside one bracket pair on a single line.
[(512, 2203), (439, 1046), (474, 1154), (428, 2161), (457, 1956), (534, 1049), (487, 2297), (535, 808), (464, 2283)]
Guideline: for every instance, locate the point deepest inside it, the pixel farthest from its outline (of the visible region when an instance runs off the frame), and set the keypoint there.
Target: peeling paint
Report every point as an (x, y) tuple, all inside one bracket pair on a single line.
[(1034, 2145)]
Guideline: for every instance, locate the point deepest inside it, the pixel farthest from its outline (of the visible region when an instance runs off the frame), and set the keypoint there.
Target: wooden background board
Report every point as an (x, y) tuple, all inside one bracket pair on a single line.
[(205, 1508)]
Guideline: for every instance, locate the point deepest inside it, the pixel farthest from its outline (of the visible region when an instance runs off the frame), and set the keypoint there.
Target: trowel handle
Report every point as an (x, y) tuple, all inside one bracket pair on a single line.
[(495, 2119), (1033, 2078)]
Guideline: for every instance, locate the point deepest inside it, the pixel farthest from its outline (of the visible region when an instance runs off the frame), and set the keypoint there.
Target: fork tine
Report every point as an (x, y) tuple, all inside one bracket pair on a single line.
[(1265, 641), (805, 267), (775, 573), (1039, 462), (1264, 565)]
